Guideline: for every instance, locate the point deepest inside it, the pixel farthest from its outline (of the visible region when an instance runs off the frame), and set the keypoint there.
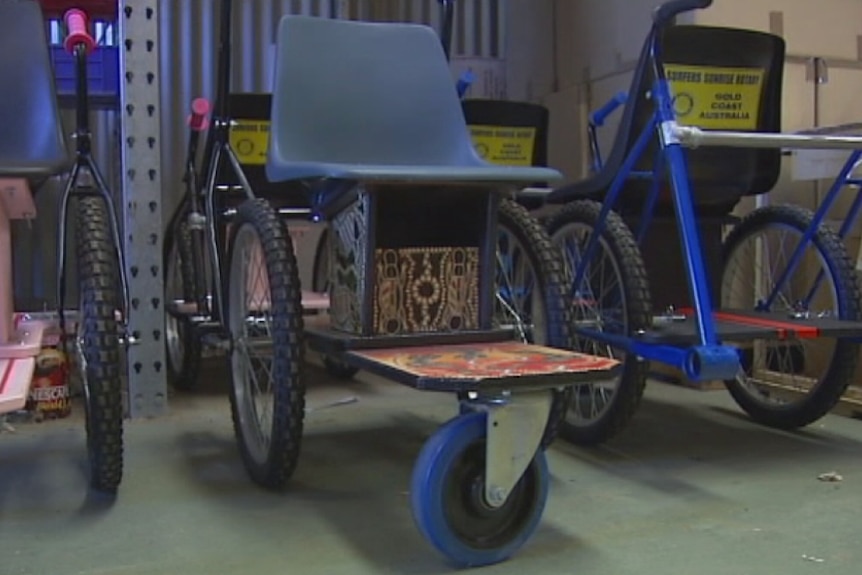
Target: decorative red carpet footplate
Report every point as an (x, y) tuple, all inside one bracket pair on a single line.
[(484, 362)]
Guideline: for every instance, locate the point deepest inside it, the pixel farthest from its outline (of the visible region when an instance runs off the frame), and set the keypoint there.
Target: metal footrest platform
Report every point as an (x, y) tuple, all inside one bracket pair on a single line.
[(739, 326), (483, 367)]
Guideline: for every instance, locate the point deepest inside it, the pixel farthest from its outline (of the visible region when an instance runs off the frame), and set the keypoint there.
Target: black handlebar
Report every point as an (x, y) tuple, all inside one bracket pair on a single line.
[(666, 12)]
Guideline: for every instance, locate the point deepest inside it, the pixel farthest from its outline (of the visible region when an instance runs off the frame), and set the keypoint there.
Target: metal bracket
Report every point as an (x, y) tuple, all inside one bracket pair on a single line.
[(817, 71), (516, 425), (669, 316), (669, 133)]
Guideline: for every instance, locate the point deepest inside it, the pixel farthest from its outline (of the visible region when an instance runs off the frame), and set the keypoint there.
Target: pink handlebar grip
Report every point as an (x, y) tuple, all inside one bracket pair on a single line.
[(76, 23), (198, 119)]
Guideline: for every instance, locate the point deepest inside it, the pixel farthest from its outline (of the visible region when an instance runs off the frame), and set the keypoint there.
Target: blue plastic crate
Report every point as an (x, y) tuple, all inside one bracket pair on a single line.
[(103, 71)]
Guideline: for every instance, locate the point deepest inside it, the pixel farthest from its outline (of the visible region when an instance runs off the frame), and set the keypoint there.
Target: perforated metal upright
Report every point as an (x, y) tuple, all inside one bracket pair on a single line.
[(141, 203)]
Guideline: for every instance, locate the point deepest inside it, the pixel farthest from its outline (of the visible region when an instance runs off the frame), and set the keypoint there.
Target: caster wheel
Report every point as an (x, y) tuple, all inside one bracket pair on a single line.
[(447, 496)]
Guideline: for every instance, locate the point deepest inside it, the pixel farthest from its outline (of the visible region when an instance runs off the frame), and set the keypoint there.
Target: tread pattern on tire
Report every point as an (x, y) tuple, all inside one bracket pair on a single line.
[(550, 271), (320, 284), (635, 285), (98, 272), (844, 361), (288, 347)]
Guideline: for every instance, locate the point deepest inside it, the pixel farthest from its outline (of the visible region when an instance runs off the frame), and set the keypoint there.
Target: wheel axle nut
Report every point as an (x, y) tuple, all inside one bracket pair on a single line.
[(497, 495)]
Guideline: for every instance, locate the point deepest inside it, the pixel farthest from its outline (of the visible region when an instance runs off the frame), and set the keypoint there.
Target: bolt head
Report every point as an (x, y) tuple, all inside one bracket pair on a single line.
[(497, 495)]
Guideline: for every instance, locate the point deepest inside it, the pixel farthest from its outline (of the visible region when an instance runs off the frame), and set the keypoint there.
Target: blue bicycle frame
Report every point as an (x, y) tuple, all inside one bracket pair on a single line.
[(708, 358)]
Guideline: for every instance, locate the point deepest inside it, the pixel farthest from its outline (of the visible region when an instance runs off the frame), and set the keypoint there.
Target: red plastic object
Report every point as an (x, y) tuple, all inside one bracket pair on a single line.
[(198, 120), (96, 9), (76, 23), (783, 329)]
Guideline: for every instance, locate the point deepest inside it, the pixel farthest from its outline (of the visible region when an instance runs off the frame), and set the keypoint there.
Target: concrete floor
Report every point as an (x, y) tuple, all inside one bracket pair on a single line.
[(691, 487)]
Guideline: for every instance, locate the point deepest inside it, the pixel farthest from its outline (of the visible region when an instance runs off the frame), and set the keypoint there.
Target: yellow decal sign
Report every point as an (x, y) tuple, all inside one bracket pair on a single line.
[(249, 140), (716, 98), (504, 145)]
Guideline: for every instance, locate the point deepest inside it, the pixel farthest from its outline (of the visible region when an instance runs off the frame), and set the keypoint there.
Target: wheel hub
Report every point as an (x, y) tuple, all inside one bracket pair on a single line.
[(472, 517)]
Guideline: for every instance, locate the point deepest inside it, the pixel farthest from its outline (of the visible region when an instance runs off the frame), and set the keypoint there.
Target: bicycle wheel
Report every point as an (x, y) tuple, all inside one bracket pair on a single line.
[(98, 343), (531, 293), (264, 317), (182, 346), (790, 384), (614, 297)]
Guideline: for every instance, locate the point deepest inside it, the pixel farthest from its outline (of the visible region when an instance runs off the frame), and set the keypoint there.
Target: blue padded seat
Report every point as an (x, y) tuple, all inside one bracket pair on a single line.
[(367, 101), (32, 145)]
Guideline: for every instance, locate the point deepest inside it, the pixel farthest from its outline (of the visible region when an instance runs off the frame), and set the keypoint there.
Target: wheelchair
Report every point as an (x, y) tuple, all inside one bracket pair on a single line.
[(522, 251), (412, 213), (33, 150), (699, 131)]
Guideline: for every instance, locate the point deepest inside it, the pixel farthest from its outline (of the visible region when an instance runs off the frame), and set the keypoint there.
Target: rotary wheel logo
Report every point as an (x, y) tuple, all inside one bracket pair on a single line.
[(244, 147), (482, 150), (683, 104)]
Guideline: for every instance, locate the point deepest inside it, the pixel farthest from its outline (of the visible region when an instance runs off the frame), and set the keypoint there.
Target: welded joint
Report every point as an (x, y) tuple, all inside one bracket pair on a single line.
[(669, 132)]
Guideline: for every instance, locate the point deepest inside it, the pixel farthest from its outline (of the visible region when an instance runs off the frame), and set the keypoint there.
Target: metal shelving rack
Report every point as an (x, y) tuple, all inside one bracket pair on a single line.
[(141, 197)]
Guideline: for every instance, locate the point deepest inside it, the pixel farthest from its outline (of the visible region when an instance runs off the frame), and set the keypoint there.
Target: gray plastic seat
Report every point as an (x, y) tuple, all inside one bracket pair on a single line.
[(32, 145), (372, 102)]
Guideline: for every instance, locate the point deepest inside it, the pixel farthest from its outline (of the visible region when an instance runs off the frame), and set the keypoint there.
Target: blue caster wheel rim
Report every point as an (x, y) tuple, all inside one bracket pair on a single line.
[(448, 502)]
